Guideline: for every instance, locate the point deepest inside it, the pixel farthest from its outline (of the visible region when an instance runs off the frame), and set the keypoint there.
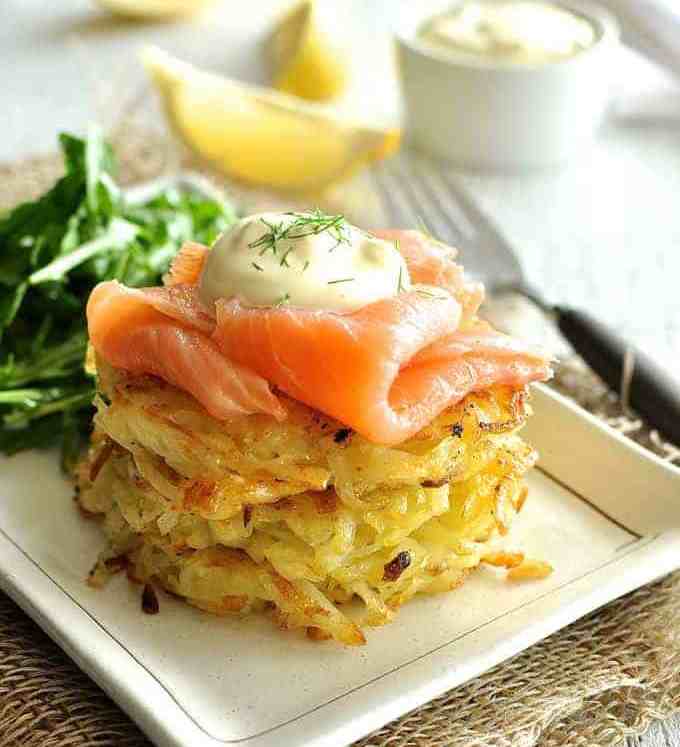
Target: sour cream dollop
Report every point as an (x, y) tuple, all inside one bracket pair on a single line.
[(520, 31), (306, 260)]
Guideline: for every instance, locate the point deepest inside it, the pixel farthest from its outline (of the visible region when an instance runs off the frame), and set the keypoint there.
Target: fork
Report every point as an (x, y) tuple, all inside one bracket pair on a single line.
[(415, 190)]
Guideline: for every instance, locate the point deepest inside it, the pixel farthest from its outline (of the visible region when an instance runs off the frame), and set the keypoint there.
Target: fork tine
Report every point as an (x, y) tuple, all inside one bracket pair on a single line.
[(398, 206), (447, 227), (483, 238), (430, 176), (488, 233), (435, 221), (412, 187), (385, 194)]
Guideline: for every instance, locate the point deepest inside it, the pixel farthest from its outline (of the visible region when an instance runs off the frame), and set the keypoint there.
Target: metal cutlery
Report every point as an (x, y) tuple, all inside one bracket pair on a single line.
[(415, 190)]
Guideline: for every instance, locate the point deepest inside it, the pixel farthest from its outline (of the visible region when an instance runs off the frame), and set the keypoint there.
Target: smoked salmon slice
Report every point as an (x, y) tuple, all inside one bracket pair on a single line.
[(386, 370), (343, 365), (187, 265), (142, 331), (430, 262)]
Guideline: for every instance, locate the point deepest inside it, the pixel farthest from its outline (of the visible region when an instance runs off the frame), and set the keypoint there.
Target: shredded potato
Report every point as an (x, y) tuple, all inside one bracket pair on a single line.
[(504, 559), (530, 569), (303, 516)]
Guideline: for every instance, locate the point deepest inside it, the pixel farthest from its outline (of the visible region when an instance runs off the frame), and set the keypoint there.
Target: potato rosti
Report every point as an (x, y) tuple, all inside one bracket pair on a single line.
[(300, 516), (303, 416)]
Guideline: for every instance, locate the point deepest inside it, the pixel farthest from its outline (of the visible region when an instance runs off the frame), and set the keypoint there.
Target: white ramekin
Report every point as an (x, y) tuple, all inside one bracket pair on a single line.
[(498, 115)]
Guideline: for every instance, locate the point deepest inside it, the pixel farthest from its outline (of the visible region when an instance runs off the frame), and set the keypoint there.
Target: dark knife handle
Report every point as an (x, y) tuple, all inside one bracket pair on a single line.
[(652, 391)]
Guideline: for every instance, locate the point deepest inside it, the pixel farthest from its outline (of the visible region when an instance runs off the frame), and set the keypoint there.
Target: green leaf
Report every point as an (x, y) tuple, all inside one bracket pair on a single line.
[(37, 403), (118, 235), (57, 362), (10, 303), (39, 435), (73, 151), (26, 398), (99, 163), (53, 251)]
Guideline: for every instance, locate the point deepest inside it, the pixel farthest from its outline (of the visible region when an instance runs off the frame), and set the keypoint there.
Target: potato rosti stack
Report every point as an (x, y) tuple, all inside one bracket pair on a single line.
[(331, 499), (303, 514)]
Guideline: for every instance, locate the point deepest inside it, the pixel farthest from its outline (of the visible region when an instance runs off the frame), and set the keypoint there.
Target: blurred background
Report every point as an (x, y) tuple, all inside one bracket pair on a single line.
[(601, 231)]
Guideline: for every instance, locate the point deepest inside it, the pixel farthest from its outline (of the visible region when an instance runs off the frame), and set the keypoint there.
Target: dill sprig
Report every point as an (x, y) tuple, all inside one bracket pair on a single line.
[(424, 228), (309, 223), (315, 222), (285, 298), (284, 259), (269, 239), (340, 280), (428, 294), (400, 284)]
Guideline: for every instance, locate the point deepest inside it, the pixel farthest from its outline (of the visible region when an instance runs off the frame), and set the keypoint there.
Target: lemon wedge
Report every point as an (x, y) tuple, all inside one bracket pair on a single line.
[(304, 61), (154, 9), (259, 135)]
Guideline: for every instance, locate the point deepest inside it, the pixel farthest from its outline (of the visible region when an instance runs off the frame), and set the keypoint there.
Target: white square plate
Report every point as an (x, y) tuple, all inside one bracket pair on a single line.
[(603, 511)]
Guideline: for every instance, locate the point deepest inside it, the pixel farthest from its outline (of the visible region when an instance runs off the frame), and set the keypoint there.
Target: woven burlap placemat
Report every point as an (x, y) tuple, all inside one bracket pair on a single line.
[(603, 678)]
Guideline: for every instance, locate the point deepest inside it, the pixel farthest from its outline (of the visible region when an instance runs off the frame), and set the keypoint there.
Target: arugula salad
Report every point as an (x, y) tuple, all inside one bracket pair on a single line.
[(53, 251)]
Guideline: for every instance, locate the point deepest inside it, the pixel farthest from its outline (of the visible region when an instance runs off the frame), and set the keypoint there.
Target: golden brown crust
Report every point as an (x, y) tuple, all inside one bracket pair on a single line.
[(300, 517)]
